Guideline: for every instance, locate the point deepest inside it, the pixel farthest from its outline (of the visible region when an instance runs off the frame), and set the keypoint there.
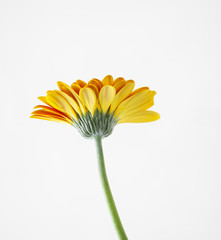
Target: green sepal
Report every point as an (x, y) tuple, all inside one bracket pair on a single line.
[(100, 124)]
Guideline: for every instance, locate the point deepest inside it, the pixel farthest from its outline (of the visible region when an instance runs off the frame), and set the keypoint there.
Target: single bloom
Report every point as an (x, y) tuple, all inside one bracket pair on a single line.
[(94, 108)]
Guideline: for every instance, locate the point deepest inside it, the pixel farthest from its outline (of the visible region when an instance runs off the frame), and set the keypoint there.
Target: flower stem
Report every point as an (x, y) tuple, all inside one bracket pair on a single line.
[(110, 200)]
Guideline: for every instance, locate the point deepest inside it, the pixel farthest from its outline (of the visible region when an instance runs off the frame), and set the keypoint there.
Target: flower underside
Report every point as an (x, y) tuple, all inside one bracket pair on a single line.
[(100, 124), (94, 108)]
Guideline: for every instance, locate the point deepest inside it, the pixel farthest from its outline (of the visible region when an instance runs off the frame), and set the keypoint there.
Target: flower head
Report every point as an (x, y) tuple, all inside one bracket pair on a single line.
[(94, 108)]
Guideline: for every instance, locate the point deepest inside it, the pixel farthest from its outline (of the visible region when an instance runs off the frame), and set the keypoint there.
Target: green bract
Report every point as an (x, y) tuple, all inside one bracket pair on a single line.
[(101, 124)]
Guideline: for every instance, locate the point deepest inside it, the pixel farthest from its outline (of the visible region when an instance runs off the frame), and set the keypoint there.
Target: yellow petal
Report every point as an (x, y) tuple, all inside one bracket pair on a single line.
[(70, 100), (44, 100), (119, 85), (89, 99), (108, 80), (139, 101), (106, 97), (60, 103), (141, 117), (122, 94), (65, 88)]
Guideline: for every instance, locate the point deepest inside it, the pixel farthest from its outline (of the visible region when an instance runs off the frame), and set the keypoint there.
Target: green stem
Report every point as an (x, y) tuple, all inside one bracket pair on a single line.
[(110, 200)]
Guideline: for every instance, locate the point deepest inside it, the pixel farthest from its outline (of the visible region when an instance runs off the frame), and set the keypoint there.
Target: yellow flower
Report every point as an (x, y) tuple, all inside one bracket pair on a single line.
[(94, 108)]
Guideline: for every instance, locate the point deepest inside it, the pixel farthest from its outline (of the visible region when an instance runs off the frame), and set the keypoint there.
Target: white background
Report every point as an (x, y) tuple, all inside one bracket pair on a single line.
[(165, 175)]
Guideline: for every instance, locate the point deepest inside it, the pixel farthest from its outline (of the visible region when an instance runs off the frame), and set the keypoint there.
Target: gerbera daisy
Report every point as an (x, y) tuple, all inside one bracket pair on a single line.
[(94, 108)]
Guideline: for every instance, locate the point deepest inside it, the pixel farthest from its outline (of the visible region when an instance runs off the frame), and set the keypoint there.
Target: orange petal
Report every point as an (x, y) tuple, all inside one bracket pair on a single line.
[(119, 85), (75, 87), (118, 80), (94, 88), (54, 119), (51, 110), (96, 82), (108, 80), (81, 83)]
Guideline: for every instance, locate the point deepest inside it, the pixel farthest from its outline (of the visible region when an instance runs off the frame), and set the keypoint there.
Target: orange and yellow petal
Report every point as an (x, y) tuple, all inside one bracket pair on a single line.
[(108, 80), (48, 118), (60, 103), (51, 110), (48, 112)]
